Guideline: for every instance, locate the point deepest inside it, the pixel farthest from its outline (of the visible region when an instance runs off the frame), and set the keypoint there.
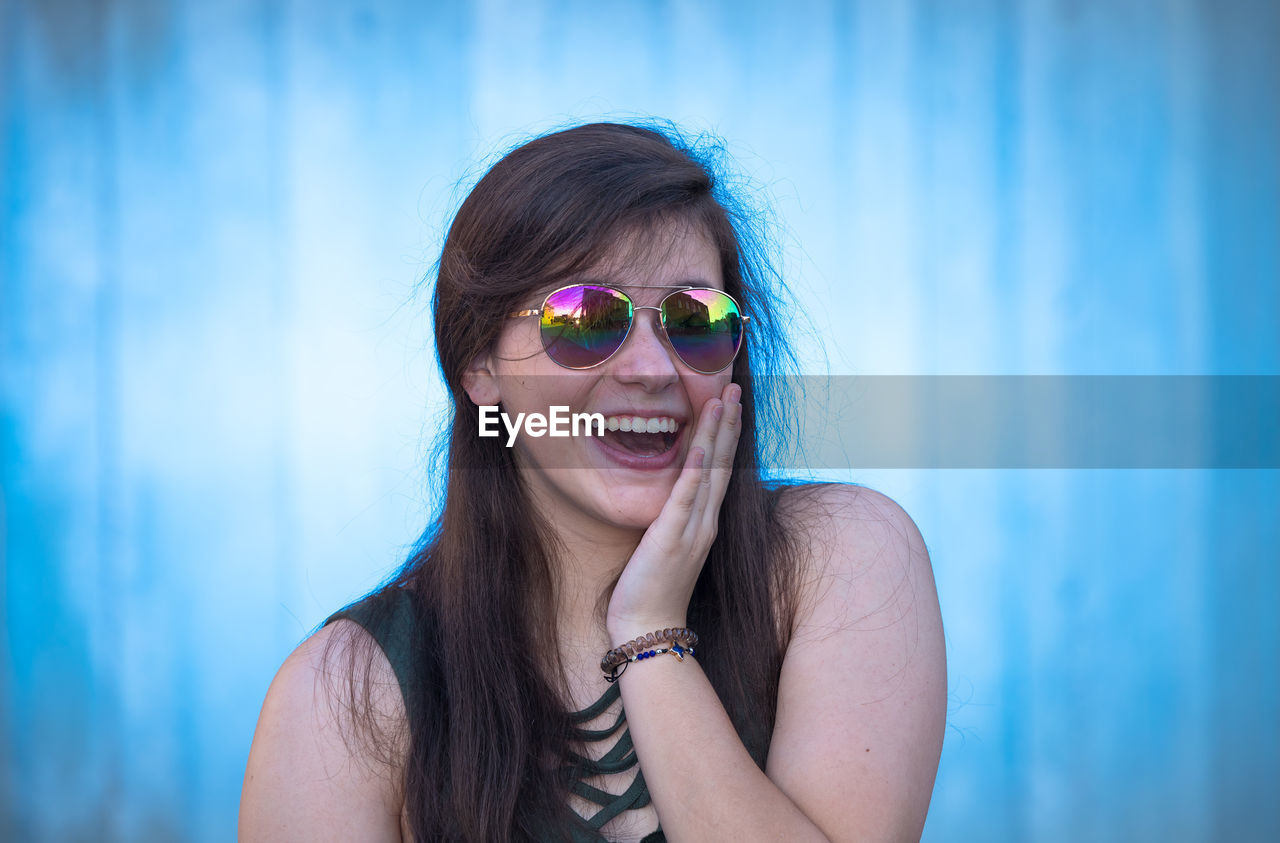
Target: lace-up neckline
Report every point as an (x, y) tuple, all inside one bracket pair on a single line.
[(619, 758), (390, 617)]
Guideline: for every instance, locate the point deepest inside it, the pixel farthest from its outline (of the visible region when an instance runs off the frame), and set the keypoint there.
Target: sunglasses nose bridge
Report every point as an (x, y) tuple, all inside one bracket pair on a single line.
[(659, 330), (657, 318)]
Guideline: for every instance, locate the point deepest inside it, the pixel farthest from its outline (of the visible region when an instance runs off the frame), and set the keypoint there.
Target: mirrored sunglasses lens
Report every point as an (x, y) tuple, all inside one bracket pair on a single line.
[(583, 325), (705, 328)]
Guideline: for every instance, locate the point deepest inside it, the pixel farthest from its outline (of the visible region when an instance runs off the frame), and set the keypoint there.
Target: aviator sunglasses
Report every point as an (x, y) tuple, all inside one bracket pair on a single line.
[(584, 325)]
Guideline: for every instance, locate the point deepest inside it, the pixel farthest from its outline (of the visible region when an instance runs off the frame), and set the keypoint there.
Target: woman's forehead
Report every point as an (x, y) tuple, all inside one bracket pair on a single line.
[(656, 261), (647, 264)]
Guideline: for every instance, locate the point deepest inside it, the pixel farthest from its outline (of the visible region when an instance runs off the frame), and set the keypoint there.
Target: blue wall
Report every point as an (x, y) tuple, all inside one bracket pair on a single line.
[(216, 383)]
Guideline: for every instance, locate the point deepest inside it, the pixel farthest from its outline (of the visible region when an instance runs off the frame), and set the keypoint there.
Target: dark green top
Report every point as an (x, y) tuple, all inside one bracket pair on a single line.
[(391, 625)]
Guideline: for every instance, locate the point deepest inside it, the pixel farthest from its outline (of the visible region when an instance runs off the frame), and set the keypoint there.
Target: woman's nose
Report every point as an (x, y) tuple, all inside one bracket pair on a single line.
[(645, 355)]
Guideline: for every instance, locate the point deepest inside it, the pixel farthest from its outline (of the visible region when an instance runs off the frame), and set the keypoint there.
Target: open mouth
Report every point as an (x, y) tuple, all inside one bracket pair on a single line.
[(641, 444)]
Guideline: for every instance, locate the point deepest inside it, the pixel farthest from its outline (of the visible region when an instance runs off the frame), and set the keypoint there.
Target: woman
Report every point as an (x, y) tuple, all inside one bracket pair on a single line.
[(792, 686)]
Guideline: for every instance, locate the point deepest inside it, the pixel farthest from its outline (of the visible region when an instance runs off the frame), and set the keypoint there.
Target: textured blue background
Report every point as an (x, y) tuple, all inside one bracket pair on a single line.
[(216, 383)]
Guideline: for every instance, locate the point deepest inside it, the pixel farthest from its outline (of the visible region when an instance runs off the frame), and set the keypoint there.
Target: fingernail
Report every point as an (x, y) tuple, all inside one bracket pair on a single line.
[(737, 393), (717, 412), (698, 456)]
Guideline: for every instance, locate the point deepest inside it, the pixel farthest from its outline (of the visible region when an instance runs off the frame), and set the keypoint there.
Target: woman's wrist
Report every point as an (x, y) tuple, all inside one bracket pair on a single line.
[(679, 641), (623, 630)]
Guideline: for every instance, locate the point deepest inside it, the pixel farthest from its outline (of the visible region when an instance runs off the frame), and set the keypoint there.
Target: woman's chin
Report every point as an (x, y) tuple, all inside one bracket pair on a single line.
[(635, 508)]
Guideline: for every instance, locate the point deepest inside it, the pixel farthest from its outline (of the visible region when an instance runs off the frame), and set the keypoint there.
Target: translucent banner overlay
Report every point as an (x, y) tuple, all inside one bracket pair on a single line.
[(1036, 421), (984, 422)]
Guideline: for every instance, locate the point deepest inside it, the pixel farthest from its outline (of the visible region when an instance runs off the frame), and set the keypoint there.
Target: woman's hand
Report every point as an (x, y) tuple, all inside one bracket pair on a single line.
[(654, 589)]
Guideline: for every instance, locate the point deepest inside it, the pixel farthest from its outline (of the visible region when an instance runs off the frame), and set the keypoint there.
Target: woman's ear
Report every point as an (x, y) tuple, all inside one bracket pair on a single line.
[(480, 382)]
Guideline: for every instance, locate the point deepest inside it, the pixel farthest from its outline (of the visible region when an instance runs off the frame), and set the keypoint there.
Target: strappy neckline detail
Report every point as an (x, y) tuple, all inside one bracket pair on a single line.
[(619, 758), (390, 616)]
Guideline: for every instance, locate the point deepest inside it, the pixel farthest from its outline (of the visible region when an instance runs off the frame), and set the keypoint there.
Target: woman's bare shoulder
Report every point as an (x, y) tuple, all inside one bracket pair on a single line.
[(818, 502), (843, 523), (863, 689), (328, 750)]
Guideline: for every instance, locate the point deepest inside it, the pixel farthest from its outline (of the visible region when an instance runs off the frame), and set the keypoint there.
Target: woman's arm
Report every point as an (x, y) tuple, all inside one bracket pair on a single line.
[(861, 707), (863, 696), (309, 775)]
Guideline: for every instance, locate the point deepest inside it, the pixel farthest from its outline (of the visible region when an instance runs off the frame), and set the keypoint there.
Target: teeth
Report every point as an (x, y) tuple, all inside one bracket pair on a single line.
[(643, 424)]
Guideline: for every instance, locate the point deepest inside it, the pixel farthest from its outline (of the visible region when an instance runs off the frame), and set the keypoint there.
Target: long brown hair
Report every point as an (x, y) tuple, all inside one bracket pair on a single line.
[(487, 733)]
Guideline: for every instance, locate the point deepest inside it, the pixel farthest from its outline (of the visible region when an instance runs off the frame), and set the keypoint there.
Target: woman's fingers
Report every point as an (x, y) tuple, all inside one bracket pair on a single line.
[(695, 500), (685, 492), (708, 427), (685, 495), (720, 465)]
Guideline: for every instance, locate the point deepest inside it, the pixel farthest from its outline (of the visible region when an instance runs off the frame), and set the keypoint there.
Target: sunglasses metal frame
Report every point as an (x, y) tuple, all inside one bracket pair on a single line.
[(675, 288)]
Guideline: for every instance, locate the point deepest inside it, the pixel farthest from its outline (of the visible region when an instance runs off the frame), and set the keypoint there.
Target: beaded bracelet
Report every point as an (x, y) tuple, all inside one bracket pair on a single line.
[(671, 635), (675, 649)]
